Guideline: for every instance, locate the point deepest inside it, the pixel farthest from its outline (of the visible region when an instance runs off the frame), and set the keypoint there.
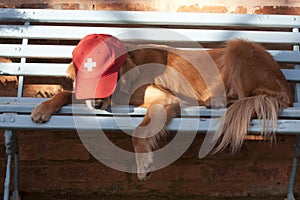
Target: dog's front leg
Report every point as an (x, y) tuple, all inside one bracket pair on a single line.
[(42, 113), (149, 131)]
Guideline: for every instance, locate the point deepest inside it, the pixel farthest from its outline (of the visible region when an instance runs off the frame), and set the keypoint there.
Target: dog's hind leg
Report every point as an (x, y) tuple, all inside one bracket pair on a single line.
[(145, 136)]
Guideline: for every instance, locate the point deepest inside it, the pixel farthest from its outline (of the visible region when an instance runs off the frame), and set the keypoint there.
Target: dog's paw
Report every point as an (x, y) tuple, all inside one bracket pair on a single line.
[(42, 113), (144, 165)]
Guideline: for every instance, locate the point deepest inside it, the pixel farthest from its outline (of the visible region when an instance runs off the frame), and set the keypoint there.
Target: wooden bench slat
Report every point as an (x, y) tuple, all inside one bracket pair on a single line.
[(144, 17), (13, 105), (96, 123), (65, 52), (286, 56), (54, 69), (89, 123), (34, 69), (146, 34), (36, 51), (291, 75)]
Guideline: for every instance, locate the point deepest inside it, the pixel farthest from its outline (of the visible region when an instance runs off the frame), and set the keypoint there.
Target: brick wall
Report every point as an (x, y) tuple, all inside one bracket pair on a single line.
[(57, 161), (234, 6)]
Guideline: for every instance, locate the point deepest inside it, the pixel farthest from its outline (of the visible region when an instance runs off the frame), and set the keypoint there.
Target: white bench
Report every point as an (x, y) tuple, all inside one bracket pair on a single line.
[(32, 29)]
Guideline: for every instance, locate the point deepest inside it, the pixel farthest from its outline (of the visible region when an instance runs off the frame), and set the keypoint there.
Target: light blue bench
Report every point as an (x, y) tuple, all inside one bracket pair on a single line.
[(27, 25)]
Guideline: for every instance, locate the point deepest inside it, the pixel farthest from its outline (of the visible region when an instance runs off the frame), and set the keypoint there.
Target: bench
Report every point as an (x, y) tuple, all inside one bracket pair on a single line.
[(40, 43)]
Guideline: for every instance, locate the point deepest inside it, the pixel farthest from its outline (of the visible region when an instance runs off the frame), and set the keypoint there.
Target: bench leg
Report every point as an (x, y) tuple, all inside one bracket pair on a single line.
[(15, 195), (7, 179), (12, 149), (290, 195)]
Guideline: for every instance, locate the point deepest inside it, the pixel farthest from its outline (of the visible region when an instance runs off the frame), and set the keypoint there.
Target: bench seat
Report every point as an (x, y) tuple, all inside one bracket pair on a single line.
[(40, 44)]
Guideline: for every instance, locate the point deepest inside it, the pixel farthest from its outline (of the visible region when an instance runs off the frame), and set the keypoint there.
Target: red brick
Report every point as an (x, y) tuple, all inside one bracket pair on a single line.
[(34, 5), (283, 10), (214, 9), (206, 9), (44, 186), (8, 86), (41, 90), (196, 172), (192, 8), (64, 173), (241, 10), (282, 150), (125, 6), (70, 6), (72, 175), (2, 152), (3, 5), (36, 137), (100, 172), (43, 136), (52, 151), (169, 173)]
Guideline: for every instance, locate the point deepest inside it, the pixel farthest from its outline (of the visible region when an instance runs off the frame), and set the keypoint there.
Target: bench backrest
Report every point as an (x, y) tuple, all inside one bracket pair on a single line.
[(40, 42)]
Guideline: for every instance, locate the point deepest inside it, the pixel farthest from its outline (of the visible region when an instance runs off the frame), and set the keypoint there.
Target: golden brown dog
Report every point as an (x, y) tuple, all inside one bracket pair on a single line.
[(243, 75)]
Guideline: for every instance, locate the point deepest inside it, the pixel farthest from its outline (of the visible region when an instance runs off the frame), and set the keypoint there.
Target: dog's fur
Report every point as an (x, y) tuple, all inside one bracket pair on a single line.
[(247, 77)]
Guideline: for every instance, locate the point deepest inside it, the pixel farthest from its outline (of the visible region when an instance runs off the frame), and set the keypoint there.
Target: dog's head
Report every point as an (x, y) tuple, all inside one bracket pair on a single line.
[(102, 104), (96, 62), (97, 103)]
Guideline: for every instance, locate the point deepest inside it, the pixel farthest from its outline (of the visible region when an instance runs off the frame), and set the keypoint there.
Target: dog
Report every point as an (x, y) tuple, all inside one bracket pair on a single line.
[(248, 81)]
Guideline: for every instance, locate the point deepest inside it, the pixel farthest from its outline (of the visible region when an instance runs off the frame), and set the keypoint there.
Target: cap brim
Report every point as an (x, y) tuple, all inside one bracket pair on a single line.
[(95, 88)]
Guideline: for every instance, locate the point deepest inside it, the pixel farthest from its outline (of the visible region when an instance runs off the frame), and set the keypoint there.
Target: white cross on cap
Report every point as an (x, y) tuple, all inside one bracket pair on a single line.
[(89, 64)]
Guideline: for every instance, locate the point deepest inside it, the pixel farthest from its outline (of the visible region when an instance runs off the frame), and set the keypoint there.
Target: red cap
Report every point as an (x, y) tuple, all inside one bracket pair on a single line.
[(97, 59)]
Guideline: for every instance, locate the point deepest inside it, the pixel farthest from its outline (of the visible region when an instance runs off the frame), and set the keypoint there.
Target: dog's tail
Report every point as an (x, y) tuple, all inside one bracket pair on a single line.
[(234, 124)]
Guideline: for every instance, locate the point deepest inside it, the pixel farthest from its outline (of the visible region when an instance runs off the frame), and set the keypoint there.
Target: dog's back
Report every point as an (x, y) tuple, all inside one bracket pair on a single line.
[(253, 70), (240, 71), (262, 91)]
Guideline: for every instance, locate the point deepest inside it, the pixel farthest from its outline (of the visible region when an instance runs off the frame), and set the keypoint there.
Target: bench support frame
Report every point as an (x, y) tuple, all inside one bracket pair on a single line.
[(290, 195), (12, 151)]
